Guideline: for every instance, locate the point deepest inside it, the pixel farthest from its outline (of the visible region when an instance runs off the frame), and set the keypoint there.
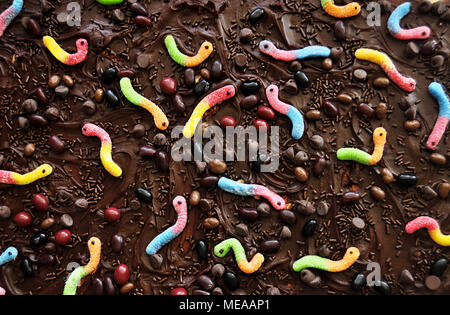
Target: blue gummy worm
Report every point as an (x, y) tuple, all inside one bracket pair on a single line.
[(312, 51), (399, 13), (159, 241), (9, 254), (236, 188), (18, 4), (438, 92), (298, 125)]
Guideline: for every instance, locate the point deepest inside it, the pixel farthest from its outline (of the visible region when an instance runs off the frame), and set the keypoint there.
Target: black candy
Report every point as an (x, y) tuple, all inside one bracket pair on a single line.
[(231, 280), (38, 240), (109, 75), (406, 180), (301, 79), (111, 98), (202, 249), (438, 267), (251, 87), (27, 267), (382, 287), (358, 281), (202, 87), (143, 195), (256, 15), (309, 228)]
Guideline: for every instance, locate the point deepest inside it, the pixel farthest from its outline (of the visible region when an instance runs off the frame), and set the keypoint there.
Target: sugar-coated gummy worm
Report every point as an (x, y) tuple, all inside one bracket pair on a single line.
[(8, 255), (179, 203), (398, 32), (216, 97), (236, 188), (110, 2), (2, 291), (438, 92), (352, 154), (296, 117), (317, 262), (187, 61), (161, 121), (74, 279), (405, 83), (337, 11), (10, 14), (90, 130), (221, 249), (13, 178), (433, 228), (268, 48), (64, 56)]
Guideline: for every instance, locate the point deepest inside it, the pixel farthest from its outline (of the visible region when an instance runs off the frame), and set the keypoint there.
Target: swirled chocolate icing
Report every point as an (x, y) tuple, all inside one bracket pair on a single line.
[(116, 41)]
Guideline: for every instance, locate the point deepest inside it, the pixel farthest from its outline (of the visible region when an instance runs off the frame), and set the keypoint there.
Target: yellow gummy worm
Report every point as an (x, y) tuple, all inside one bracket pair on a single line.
[(187, 61), (13, 178)]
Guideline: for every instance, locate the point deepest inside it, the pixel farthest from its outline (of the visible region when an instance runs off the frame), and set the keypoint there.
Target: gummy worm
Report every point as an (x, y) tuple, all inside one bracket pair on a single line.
[(433, 229), (110, 2), (8, 255), (241, 189), (187, 61), (398, 32), (438, 92), (10, 14), (383, 60), (298, 124), (338, 11), (105, 151), (161, 121), (65, 57), (179, 203), (311, 261), (268, 48), (13, 178), (352, 154), (221, 249), (212, 99), (74, 279)]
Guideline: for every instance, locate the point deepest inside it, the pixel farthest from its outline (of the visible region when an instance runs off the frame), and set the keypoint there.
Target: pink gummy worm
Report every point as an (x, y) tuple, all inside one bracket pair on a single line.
[(276, 201), (93, 130), (80, 55), (414, 33), (6, 178), (284, 55), (2, 291), (438, 131), (405, 83), (274, 101), (421, 222), (220, 95), (179, 203)]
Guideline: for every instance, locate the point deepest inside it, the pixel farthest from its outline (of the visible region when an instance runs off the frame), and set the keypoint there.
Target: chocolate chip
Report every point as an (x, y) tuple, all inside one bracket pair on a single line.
[(118, 15), (5, 212), (307, 276), (429, 193), (270, 246), (240, 60), (138, 131), (301, 157), (40, 94), (295, 66), (336, 53), (81, 204), (322, 208), (288, 217), (305, 207), (245, 35), (160, 139), (411, 112), (360, 75), (143, 60), (317, 142), (29, 106), (432, 283), (429, 47), (264, 208), (406, 277), (437, 61), (66, 220), (290, 87), (33, 27), (38, 120), (218, 270), (350, 197), (89, 107), (138, 9), (319, 166), (52, 113), (358, 223), (241, 229), (412, 49)]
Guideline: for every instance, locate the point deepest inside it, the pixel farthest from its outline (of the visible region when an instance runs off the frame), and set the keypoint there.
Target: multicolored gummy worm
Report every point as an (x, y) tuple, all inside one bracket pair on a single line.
[(352, 154), (90, 130), (64, 56), (296, 117), (9, 15), (179, 203), (405, 83), (212, 99), (74, 279), (221, 249), (161, 121), (398, 32), (337, 11), (237, 188), (317, 262), (187, 61), (437, 91), (110, 2), (433, 228), (269, 48), (13, 178), (8, 255)]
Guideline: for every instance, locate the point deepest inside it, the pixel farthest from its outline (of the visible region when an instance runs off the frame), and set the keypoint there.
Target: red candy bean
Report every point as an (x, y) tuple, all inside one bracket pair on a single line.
[(121, 274), (260, 123), (40, 202), (22, 219), (178, 291), (112, 214), (62, 237), (168, 86), (227, 121), (266, 113)]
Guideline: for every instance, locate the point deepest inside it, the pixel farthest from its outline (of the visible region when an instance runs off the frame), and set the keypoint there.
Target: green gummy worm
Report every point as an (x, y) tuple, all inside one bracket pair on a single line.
[(173, 50), (221, 249), (311, 262), (130, 93), (352, 154), (74, 280), (110, 2)]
